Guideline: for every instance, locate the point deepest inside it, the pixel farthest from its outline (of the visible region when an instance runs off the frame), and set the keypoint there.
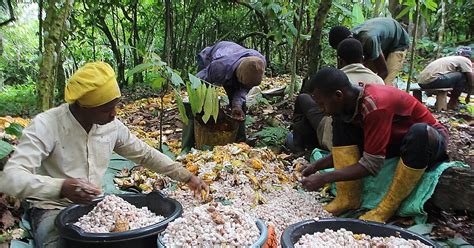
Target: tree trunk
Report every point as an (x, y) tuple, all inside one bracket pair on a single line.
[(395, 8), (168, 31), (115, 50), (413, 44), (54, 24), (11, 12), (196, 9), (137, 59), (60, 79), (1, 46), (441, 28), (294, 51), (315, 41), (40, 26), (378, 5), (93, 44)]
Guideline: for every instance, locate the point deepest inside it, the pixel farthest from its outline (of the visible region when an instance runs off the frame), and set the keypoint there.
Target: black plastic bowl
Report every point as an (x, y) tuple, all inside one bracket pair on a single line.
[(293, 233), (137, 238)]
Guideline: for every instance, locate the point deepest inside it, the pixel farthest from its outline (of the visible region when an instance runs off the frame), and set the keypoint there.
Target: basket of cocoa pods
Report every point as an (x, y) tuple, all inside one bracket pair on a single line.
[(342, 232), (125, 220)]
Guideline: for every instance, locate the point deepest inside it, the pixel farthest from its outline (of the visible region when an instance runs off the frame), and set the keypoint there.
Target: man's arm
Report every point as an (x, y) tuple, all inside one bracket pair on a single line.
[(381, 66), (18, 178), (377, 128), (130, 147), (316, 181)]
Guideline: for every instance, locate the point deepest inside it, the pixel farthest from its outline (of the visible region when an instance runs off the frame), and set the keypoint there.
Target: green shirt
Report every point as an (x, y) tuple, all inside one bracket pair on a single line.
[(381, 35)]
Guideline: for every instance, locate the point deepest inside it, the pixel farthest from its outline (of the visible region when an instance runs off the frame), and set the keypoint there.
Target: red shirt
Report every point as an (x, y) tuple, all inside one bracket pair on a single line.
[(386, 114)]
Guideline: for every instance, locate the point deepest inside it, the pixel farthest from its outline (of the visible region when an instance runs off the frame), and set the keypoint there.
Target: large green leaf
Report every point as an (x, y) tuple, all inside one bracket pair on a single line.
[(195, 81), (194, 100), (158, 83), (344, 10), (176, 79), (215, 109), (357, 15), (292, 28), (403, 12), (181, 108), (209, 104), (140, 68), (202, 96), (14, 129), (5, 149)]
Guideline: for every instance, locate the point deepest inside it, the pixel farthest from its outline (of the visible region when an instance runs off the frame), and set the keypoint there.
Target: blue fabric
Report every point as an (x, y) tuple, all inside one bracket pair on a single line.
[(219, 62), (375, 188), (217, 65)]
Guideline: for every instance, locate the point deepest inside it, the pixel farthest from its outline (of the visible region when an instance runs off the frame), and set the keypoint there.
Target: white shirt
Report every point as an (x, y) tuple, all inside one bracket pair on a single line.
[(357, 73), (55, 147), (444, 66)]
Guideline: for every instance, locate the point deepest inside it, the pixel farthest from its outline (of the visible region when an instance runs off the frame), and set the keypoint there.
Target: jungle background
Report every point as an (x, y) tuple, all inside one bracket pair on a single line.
[(43, 42)]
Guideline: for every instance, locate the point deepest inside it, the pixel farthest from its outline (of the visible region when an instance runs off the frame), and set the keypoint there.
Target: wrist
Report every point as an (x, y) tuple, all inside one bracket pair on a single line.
[(188, 180)]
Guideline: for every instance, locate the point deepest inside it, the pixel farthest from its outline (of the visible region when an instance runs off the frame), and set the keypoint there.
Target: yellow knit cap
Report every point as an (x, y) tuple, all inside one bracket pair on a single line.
[(94, 84)]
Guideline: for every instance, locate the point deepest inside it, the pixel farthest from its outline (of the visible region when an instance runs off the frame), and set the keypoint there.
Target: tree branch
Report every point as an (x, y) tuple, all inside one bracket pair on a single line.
[(125, 13), (12, 14), (256, 33)]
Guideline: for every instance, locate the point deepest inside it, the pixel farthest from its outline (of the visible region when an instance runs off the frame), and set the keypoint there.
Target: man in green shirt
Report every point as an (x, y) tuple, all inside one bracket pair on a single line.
[(384, 42)]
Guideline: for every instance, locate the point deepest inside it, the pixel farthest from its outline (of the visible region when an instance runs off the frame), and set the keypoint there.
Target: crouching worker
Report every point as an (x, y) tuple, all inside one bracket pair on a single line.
[(63, 154), (450, 72), (237, 69), (371, 123), (311, 128)]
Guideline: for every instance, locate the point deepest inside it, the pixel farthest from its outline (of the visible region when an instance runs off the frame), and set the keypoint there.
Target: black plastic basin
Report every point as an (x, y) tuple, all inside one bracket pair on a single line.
[(293, 233), (137, 238)]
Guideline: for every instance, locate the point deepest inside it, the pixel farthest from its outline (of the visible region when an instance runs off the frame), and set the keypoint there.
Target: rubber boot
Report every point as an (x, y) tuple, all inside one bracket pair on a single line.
[(404, 181), (348, 192)]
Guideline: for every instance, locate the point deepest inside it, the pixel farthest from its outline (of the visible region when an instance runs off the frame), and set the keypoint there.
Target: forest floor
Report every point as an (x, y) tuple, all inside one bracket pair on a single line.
[(140, 111)]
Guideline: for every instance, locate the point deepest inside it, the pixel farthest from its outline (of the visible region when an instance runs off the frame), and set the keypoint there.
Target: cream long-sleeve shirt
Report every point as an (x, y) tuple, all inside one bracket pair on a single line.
[(55, 147)]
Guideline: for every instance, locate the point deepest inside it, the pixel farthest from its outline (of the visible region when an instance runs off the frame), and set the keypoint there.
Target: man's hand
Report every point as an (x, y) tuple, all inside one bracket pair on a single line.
[(238, 113), (197, 185), (313, 182), (308, 169), (79, 190), (320, 164)]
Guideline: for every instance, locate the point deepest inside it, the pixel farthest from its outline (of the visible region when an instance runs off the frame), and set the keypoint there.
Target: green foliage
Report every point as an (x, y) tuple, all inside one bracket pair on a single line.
[(203, 99), (268, 26), (211, 103), (350, 17), (18, 100), (271, 136), (427, 7), (14, 129), (5, 149), (18, 62)]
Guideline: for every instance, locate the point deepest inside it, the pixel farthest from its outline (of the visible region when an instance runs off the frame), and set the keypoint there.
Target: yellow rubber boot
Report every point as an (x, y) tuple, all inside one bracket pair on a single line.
[(404, 181), (348, 192)]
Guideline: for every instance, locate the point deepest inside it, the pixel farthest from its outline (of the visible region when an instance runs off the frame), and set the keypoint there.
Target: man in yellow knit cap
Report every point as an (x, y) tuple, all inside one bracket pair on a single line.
[(63, 154)]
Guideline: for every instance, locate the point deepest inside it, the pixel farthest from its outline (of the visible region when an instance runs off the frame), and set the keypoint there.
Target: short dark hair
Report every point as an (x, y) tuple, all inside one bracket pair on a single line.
[(350, 50), (328, 80), (338, 34)]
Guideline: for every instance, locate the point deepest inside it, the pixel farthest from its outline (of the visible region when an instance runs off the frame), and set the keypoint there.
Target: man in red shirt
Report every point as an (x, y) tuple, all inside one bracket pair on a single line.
[(381, 122)]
